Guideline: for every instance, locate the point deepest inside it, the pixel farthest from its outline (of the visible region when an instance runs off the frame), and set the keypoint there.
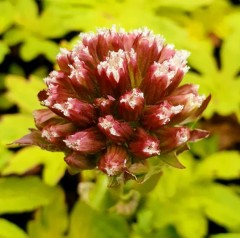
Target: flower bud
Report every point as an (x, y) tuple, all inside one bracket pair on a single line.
[(144, 145), (80, 113), (131, 105), (113, 74), (43, 117), (80, 162), (192, 105), (55, 133), (198, 134), (59, 89), (88, 141), (105, 105), (173, 137), (115, 130), (64, 60), (114, 161), (35, 138), (158, 115), (148, 48)]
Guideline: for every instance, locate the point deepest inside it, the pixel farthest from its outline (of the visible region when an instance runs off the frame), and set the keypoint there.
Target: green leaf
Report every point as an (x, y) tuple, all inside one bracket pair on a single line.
[(220, 165), (5, 155), (24, 92), (6, 16), (23, 194), (51, 220), (186, 4), (171, 159), (25, 12), (14, 126), (21, 162), (224, 235), (33, 47), (231, 52), (15, 36), (221, 205), (87, 222), (4, 50), (9, 230), (196, 225)]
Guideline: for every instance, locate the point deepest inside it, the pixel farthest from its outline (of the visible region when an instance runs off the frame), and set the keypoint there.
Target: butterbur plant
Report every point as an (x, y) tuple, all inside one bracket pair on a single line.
[(116, 103)]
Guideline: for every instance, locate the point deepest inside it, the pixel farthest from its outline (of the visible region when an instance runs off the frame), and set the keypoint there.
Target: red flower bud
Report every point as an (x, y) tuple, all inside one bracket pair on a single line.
[(43, 117), (55, 133), (81, 113), (113, 74), (64, 60), (144, 145), (115, 130), (88, 141), (105, 105), (173, 137), (131, 105), (158, 115), (114, 161), (80, 162)]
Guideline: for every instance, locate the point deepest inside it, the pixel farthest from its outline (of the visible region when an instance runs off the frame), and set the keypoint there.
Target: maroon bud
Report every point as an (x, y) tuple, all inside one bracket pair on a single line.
[(115, 130), (113, 74), (167, 53), (105, 105), (192, 104), (159, 115), (148, 47), (144, 145), (35, 138), (173, 137), (198, 134), (43, 117), (131, 105), (81, 113), (80, 162), (55, 133), (114, 161), (64, 60), (88, 141)]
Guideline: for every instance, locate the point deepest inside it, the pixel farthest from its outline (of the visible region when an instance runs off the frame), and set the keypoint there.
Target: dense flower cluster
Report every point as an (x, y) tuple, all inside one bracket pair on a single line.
[(116, 101)]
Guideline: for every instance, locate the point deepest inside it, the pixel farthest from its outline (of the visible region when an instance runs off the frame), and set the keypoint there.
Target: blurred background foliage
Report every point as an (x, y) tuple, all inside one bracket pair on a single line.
[(39, 199)]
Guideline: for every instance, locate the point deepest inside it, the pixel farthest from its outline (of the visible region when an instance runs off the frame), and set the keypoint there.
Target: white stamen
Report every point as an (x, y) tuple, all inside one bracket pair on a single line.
[(64, 107), (107, 125), (196, 101), (151, 148), (176, 109), (182, 136), (131, 99), (73, 144), (112, 64), (49, 134)]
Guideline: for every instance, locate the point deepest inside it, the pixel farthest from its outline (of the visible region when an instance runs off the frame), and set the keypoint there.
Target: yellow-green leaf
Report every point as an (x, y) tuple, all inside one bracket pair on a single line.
[(10, 230), (14, 126), (87, 222), (221, 165), (24, 92), (29, 157), (23, 194), (51, 220)]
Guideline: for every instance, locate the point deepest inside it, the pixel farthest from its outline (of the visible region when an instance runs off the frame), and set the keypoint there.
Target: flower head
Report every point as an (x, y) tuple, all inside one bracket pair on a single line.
[(116, 97)]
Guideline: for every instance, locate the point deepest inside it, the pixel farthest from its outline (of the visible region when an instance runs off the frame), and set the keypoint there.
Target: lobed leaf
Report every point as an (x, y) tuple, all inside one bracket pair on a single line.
[(21, 162), (51, 220), (86, 222), (23, 194), (9, 230)]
